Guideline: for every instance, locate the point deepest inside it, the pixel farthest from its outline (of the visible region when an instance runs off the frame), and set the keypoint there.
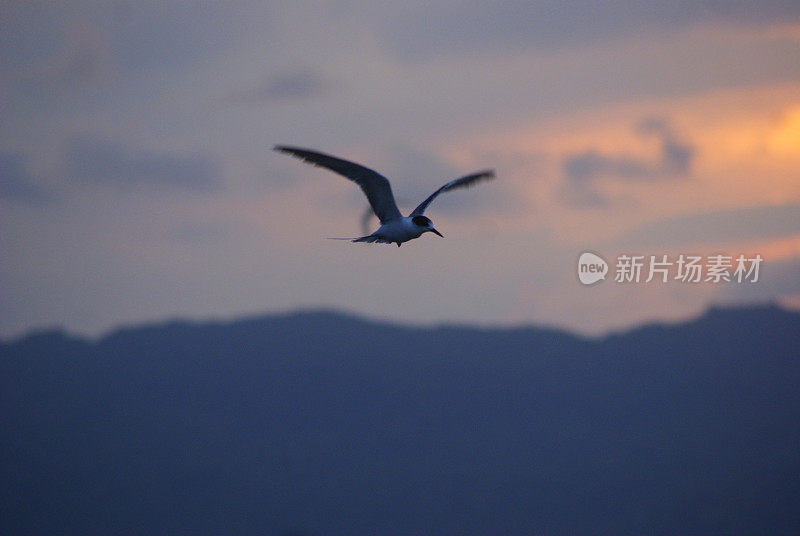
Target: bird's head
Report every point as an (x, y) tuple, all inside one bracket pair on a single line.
[(426, 224)]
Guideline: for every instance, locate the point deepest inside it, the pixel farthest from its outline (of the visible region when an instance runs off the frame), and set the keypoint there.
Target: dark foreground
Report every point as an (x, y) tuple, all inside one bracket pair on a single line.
[(326, 424)]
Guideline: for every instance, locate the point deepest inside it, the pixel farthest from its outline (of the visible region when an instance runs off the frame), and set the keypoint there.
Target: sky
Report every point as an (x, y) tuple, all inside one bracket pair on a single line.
[(137, 180)]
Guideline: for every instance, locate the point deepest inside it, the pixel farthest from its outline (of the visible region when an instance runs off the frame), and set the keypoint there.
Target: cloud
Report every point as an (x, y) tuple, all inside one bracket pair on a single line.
[(82, 56), (776, 281), (101, 162), (581, 171), (752, 223), (287, 86), (676, 155), (79, 41), (16, 183), (163, 35), (450, 27)]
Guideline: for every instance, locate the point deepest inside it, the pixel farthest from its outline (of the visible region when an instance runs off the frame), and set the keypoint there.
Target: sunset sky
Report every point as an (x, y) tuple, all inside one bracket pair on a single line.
[(137, 180)]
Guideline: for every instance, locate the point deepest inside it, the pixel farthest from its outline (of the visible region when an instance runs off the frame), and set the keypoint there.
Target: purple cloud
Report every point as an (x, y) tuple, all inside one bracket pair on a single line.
[(102, 162), (16, 183), (581, 171)]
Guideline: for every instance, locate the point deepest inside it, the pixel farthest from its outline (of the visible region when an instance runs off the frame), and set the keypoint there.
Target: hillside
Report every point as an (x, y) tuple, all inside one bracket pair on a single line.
[(321, 423)]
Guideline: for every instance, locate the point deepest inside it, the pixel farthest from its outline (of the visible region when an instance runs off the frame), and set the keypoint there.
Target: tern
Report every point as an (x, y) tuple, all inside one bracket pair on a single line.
[(395, 228)]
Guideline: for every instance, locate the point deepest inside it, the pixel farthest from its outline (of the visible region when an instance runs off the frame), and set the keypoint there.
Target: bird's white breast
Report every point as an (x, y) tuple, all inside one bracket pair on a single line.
[(400, 230)]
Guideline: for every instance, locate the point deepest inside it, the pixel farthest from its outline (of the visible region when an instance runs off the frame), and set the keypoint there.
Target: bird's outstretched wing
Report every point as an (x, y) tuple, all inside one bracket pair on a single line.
[(374, 185), (463, 182), (366, 217)]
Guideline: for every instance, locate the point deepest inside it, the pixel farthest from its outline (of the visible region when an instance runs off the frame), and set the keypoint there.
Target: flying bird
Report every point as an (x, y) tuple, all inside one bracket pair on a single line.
[(395, 228)]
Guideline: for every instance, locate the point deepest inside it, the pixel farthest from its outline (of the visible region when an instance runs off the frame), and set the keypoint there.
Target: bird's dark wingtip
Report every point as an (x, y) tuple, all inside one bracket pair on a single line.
[(298, 152)]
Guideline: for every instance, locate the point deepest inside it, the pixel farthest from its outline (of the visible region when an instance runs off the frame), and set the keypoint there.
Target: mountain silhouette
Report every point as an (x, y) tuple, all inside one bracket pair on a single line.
[(322, 423)]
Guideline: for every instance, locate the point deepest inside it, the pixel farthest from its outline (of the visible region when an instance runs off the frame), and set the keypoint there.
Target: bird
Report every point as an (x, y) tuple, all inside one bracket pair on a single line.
[(395, 228)]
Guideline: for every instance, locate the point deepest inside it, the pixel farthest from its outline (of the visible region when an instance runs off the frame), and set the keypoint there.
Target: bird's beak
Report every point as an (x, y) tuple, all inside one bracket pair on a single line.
[(437, 232)]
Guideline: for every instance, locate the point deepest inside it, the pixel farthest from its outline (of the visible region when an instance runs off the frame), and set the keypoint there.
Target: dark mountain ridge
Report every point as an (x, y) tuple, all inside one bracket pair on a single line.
[(324, 423)]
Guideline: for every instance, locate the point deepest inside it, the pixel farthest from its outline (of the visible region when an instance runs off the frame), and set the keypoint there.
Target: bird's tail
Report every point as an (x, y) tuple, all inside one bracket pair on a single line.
[(369, 239)]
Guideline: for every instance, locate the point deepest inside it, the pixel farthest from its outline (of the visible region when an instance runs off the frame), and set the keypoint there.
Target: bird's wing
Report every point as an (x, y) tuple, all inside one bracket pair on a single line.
[(374, 185), (463, 182), (366, 217)]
